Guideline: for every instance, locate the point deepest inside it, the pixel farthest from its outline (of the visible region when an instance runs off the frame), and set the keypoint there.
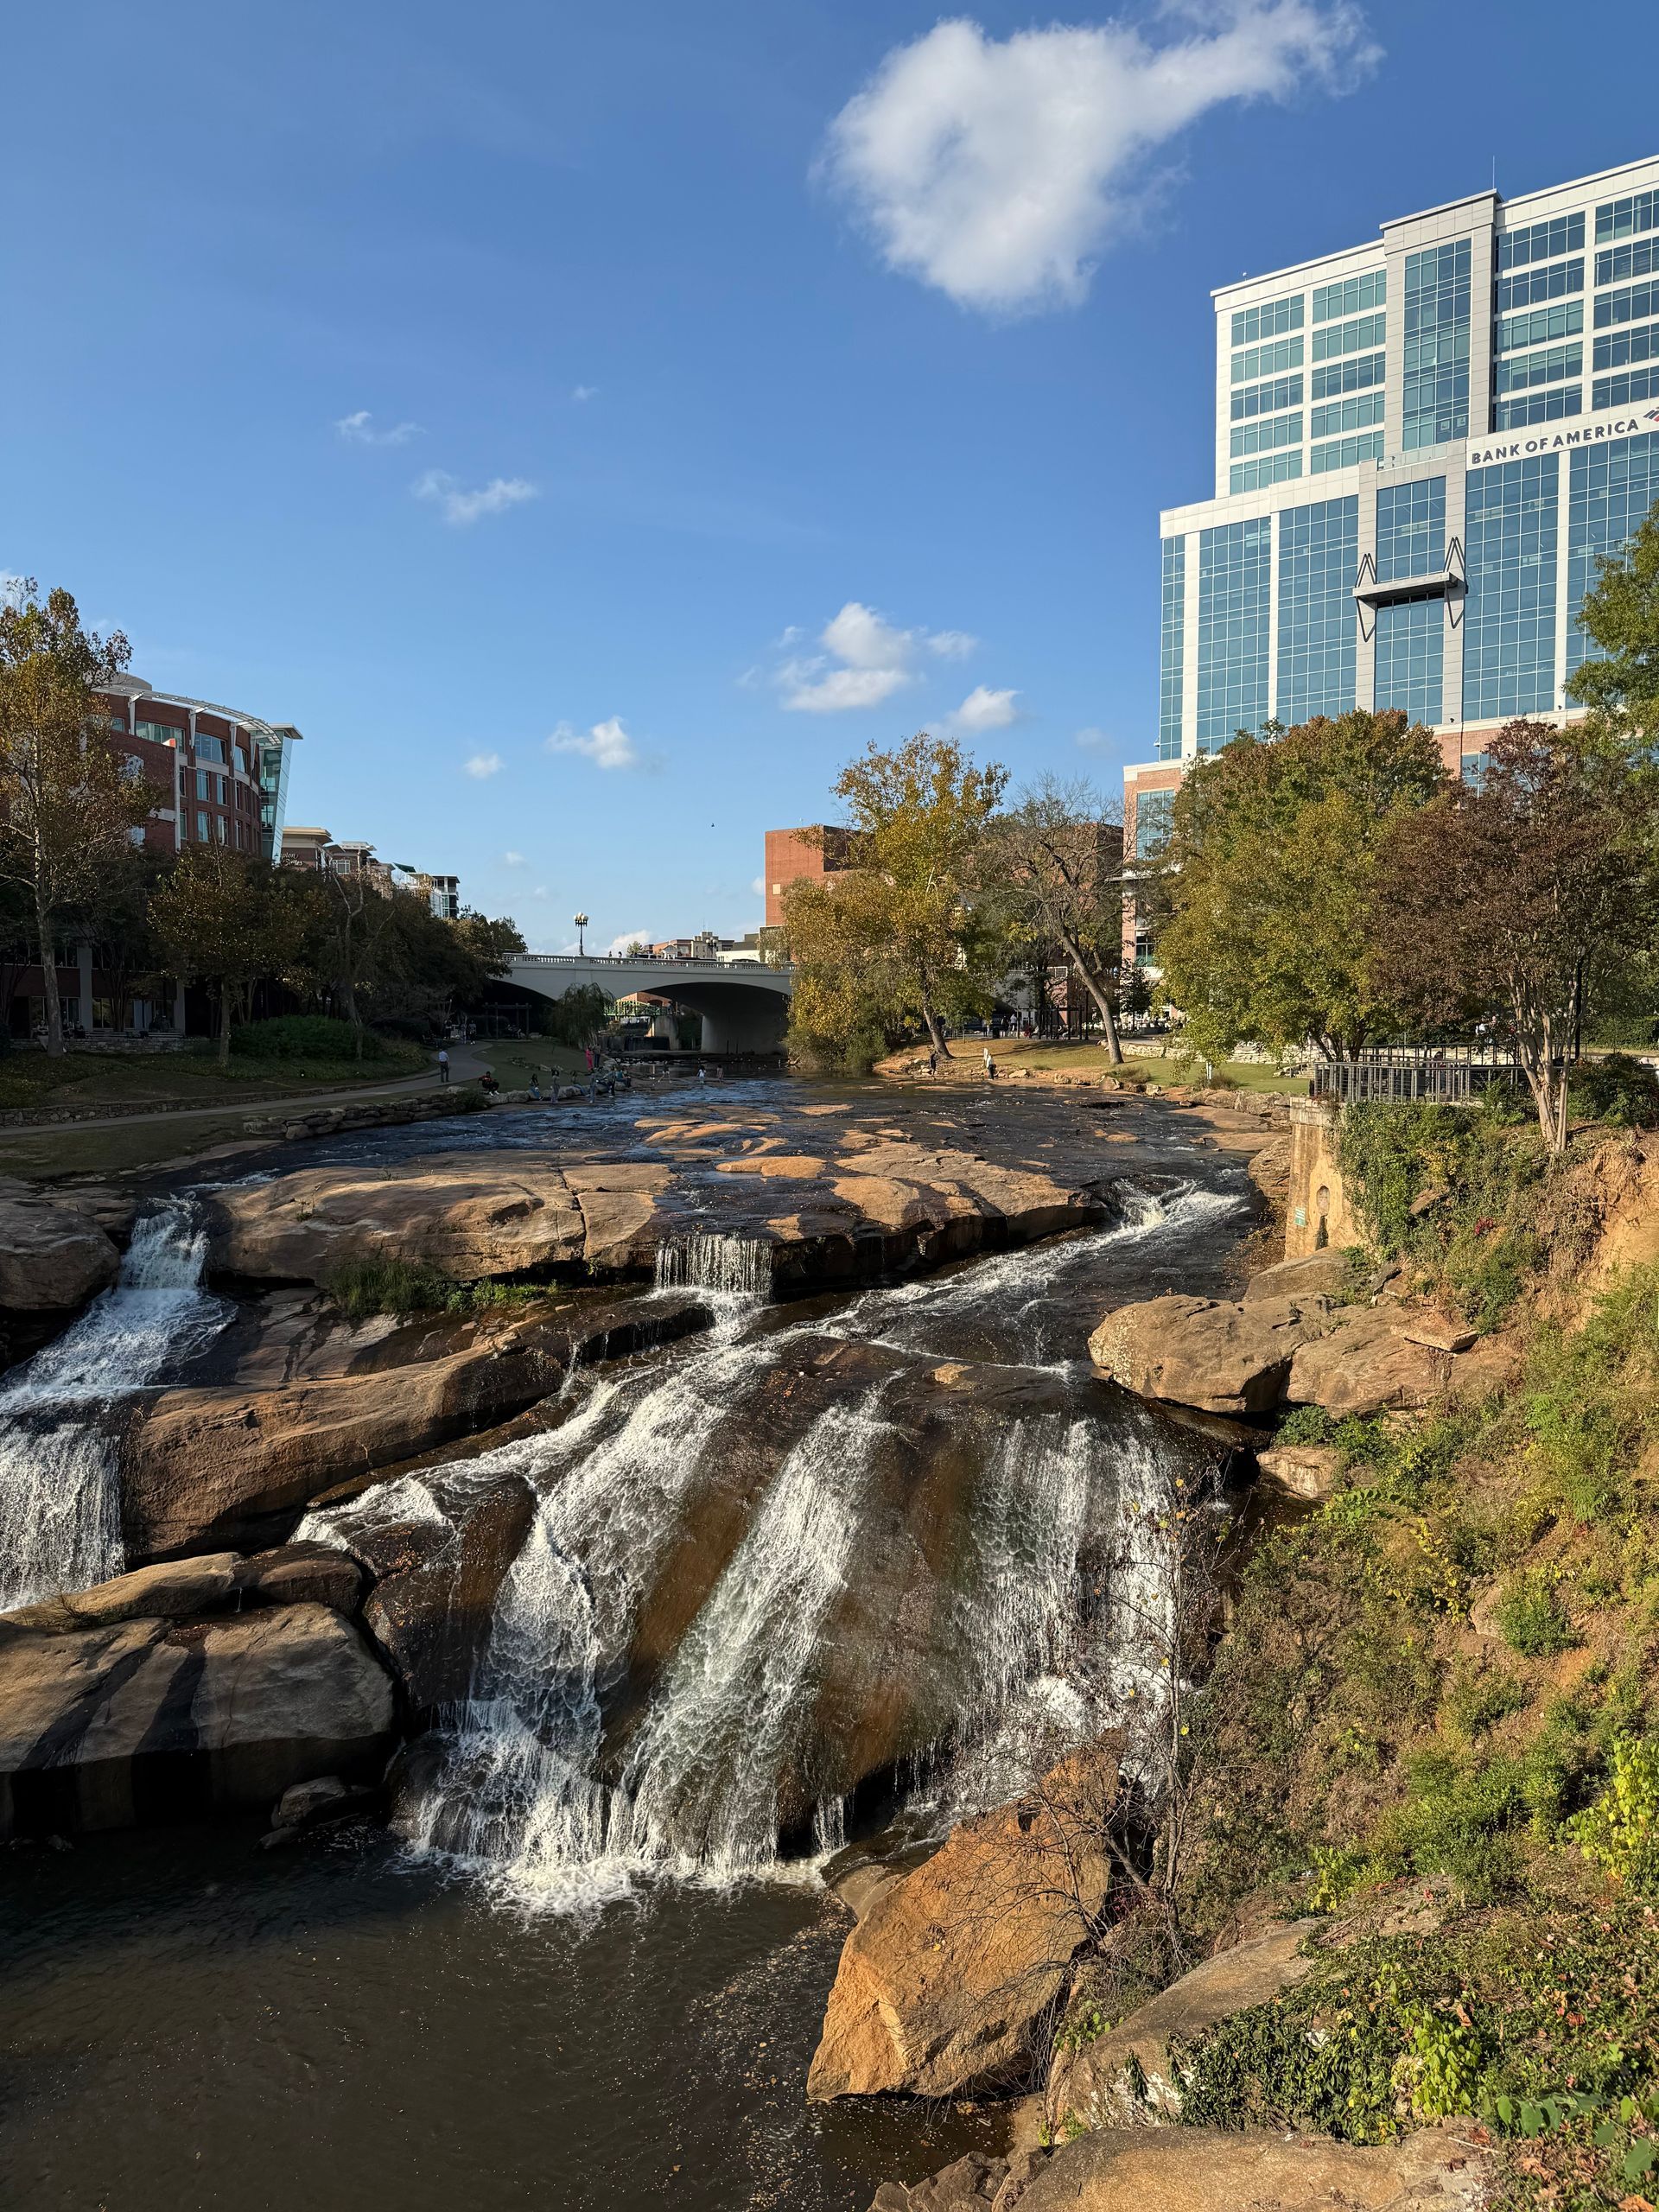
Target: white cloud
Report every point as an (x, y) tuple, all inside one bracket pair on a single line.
[(607, 744), (628, 937), (461, 507), (806, 692), (11, 587), (582, 392), (759, 887), (984, 709), (483, 764), (512, 860), (1092, 740), (865, 660), (359, 429), (998, 170), (540, 892)]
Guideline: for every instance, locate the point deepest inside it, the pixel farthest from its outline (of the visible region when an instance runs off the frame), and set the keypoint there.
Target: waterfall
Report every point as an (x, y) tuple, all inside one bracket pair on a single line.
[(741, 1266), (59, 1475), (576, 1767)]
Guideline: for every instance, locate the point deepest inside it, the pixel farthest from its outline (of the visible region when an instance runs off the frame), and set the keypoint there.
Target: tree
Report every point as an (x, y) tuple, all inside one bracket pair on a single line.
[(67, 804), (1054, 865), (226, 920), (1265, 886), (1532, 893), (1620, 612), (908, 942)]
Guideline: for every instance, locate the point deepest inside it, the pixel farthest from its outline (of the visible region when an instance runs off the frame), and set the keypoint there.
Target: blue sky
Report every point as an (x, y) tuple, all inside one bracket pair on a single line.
[(591, 430)]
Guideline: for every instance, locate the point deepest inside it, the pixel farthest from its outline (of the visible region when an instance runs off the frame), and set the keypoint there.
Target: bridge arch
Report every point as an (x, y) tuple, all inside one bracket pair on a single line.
[(743, 1006)]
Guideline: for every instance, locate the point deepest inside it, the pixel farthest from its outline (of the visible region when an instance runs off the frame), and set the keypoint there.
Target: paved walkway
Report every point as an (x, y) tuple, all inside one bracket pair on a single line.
[(465, 1066)]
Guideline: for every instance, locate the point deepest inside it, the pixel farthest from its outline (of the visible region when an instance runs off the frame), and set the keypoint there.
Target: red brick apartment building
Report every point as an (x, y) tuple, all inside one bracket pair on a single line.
[(223, 774), (813, 853)]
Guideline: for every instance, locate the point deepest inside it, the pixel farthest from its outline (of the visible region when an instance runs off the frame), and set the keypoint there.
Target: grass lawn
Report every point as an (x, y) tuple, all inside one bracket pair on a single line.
[(967, 1055), (29, 1078), (513, 1058)]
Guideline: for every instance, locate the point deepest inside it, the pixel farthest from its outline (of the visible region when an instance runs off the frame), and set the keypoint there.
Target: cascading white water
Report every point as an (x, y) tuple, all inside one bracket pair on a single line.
[(60, 1492), (741, 1266), (525, 1787)]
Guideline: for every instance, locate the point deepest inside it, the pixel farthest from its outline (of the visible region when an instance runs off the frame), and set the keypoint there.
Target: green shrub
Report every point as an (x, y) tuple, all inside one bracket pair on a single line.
[(1618, 1090), (362, 1288), (1530, 1617), (307, 1037), (1620, 1831), (1305, 1425)]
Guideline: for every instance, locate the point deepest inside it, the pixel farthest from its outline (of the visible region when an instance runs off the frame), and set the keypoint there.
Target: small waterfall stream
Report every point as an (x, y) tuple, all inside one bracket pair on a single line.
[(530, 1784), (59, 1496)]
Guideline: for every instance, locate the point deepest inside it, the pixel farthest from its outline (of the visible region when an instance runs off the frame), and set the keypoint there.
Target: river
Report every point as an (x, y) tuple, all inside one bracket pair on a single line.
[(585, 1976)]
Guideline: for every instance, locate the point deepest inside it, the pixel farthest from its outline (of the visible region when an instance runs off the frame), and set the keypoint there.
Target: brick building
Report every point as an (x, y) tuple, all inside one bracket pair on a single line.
[(814, 854), (223, 773)]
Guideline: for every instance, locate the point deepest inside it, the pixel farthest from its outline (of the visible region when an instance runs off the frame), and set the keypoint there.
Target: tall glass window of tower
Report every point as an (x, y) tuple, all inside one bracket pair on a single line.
[(1235, 599), (1172, 649), (1509, 636), (1411, 638), (1319, 548), (1435, 356), (1610, 491)]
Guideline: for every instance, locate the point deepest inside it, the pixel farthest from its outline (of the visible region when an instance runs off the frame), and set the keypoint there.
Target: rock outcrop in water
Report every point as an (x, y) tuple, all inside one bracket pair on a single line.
[(234, 1465), (157, 1718), (867, 1204), (953, 1969)]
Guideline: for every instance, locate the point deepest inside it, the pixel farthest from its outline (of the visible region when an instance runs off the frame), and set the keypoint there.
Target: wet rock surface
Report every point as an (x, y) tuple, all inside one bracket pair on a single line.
[(147, 1719), (1207, 1352), (52, 1257), (949, 1972)]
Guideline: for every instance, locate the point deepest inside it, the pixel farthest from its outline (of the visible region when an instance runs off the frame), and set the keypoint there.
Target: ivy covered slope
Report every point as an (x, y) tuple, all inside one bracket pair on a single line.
[(1447, 1674)]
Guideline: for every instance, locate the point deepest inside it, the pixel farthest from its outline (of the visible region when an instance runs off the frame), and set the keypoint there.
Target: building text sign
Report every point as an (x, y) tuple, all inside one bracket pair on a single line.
[(1562, 436)]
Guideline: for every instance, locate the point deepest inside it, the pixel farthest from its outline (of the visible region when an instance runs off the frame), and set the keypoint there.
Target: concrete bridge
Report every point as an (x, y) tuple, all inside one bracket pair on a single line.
[(744, 1003)]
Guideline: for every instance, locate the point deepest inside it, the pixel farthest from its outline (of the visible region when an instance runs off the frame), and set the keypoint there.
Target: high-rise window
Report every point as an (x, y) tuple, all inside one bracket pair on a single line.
[(1234, 599), (1172, 649), (1625, 390), (1267, 398), (1271, 320), (1528, 286), (1351, 296), (1620, 263), (1538, 407), (1411, 529), (1410, 652), (1626, 219), (1540, 241), (1435, 352), (1152, 816), (1610, 491), (1620, 347), (1508, 637), (1319, 551)]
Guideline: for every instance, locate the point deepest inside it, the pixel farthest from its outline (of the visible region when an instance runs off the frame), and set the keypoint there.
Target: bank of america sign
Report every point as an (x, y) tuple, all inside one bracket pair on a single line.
[(1562, 436)]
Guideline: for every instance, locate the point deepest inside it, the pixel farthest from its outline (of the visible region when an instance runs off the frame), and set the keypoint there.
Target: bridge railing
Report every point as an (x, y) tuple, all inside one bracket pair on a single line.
[(639, 960)]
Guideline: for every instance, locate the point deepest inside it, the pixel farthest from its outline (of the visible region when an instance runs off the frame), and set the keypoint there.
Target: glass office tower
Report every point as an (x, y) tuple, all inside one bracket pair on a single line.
[(1422, 444)]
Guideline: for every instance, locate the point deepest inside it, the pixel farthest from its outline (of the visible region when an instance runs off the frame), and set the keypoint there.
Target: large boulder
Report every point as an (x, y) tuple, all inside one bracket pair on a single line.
[(1127, 2074), (52, 1258), (233, 1466), (158, 1720), (1325, 1274), (170, 1592), (1206, 1352), (433, 1617), (1202, 2170), (1366, 1363), (472, 1214), (944, 1982)]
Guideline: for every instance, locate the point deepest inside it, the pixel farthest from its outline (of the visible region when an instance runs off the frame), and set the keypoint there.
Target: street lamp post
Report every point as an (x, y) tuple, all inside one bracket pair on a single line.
[(582, 942)]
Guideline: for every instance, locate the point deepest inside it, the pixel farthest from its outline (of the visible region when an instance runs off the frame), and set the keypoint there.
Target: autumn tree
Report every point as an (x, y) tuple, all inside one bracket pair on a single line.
[(1266, 882), (1526, 896), (898, 936), (1620, 615), (66, 803), (1053, 865), (228, 921)]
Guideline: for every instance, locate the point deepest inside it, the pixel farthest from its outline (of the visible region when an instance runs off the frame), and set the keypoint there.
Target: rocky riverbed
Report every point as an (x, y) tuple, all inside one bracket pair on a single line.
[(779, 1506)]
